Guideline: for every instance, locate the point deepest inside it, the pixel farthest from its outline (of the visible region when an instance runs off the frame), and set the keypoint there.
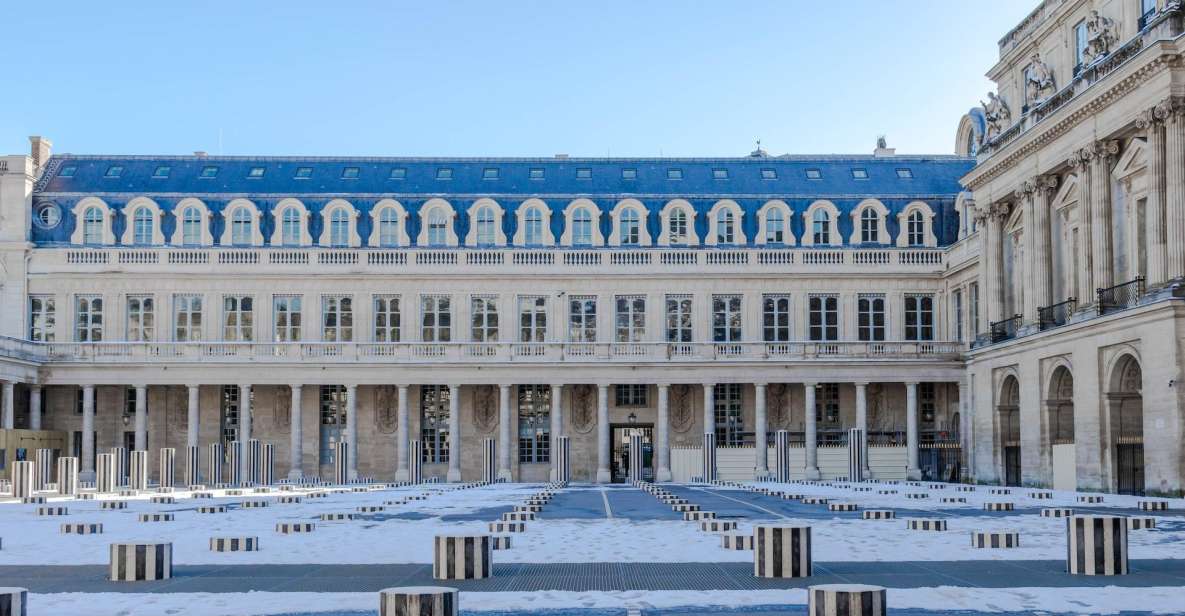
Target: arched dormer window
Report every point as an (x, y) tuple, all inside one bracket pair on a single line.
[(142, 226), (143, 223), (388, 224), (292, 224), (92, 226), (533, 226), (775, 227), (677, 224), (338, 219), (725, 224), (725, 228), (581, 224), (485, 224), (436, 224), (627, 228), (629, 224), (917, 226), (339, 228), (868, 223), (869, 226), (92, 223), (773, 224), (677, 228), (290, 227), (821, 228), (240, 227), (242, 224), (193, 223), (438, 228), (191, 226), (486, 233), (820, 220)]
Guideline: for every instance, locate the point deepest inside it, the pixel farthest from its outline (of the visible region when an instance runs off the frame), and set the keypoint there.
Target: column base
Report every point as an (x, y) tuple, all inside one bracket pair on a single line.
[(662, 474), (402, 475), (453, 476), (295, 474), (505, 475), (760, 473), (913, 474), (813, 474), (603, 476)]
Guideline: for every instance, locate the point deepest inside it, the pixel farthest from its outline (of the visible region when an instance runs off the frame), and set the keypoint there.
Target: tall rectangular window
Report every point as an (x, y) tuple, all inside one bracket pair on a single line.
[(630, 318), (927, 404), (679, 323), (332, 406), (534, 423), (958, 310), (726, 318), (483, 316), (387, 318), (729, 420), (238, 318), (187, 318), (582, 319), (337, 318), (229, 414), (1079, 45), (870, 317), (974, 300), (630, 395), (824, 318), (919, 317), (286, 317), (88, 318), (532, 318), (42, 318), (775, 318), (141, 318), (827, 403), (436, 318), (434, 416)]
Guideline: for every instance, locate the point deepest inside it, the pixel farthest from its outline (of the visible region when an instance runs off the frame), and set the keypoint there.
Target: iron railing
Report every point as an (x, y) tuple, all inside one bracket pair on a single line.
[(1005, 329), (1056, 315), (1121, 296)]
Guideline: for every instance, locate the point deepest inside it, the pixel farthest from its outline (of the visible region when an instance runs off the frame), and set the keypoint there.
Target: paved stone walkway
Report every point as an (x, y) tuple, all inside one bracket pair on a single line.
[(590, 577)]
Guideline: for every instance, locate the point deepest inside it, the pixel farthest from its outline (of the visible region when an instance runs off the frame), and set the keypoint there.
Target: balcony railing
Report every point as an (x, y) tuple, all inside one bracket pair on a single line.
[(1056, 315), (1121, 296), (469, 352), (1005, 329)]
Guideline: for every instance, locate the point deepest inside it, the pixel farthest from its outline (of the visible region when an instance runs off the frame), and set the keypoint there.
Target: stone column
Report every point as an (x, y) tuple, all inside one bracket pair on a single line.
[(401, 444), (88, 434), (141, 418), (454, 433), (244, 431), (1040, 269), (709, 408), (34, 407), (9, 405), (191, 415), (296, 432), (557, 426), (761, 461), (352, 431), (964, 427), (1175, 190), (862, 422), (812, 436), (1081, 162), (504, 433), (1102, 262), (662, 434), (603, 475), (1152, 123), (1026, 304), (911, 431)]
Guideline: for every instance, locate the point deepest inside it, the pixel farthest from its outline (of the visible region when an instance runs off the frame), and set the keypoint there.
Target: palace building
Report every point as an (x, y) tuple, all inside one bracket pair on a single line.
[(1004, 314)]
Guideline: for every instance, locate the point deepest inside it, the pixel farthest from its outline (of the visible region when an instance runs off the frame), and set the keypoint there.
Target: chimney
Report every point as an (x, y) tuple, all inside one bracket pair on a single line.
[(41, 149), (199, 154)]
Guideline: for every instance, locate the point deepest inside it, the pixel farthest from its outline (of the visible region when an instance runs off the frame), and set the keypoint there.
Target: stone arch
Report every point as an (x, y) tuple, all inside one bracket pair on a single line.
[(105, 214), (832, 217), (882, 217), (206, 237), (228, 214), (1059, 404), (1007, 422), (294, 207), (775, 207), (690, 238), (131, 210), (926, 213), (635, 208), (722, 208), (1123, 423), (567, 238), (350, 213), (392, 208), (481, 208), (544, 212), (438, 207)]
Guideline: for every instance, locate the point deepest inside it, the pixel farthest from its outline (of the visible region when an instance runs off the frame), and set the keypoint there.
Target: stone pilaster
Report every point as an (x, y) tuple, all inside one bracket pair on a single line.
[(1103, 262), (1152, 123), (1081, 162), (1174, 190)]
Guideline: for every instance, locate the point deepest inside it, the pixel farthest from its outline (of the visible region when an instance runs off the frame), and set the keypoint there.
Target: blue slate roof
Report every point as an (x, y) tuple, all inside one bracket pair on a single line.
[(414, 180)]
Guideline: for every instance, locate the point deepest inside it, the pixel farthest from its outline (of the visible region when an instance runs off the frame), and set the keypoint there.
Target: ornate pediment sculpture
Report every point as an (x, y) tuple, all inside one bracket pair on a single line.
[(997, 117), (1039, 83), (1100, 37)]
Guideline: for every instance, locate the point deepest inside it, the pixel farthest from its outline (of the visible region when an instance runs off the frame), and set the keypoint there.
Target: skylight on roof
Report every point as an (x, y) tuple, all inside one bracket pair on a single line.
[(489, 173), (860, 174), (114, 171), (675, 174), (905, 174), (629, 174), (444, 173), (720, 174), (303, 173), (255, 172), (398, 173), (67, 172), (350, 173), (584, 174), (814, 174), (535, 174), (769, 174), (209, 171), (162, 171)]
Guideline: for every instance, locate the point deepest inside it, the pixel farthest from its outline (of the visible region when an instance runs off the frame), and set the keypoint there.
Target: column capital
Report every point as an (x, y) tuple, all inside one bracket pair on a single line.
[(402, 386), (761, 384), (810, 383), (504, 387), (557, 386), (351, 386), (662, 385), (453, 386), (861, 383), (245, 385), (192, 386), (295, 386), (35, 386), (604, 386), (911, 383)]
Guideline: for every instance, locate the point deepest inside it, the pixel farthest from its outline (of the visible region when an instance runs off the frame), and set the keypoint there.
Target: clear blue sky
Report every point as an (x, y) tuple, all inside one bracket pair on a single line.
[(496, 78)]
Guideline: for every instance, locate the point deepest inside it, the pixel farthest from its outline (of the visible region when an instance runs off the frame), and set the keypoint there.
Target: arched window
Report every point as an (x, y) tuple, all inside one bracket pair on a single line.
[(677, 227), (821, 228), (290, 227), (92, 226), (725, 233), (142, 226), (191, 227), (388, 227), (533, 227), (486, 226), (775, 226), (582, 227), (869, 226), (915, 228), (240, 227), (339, 228), (627, 227), (437, 227)]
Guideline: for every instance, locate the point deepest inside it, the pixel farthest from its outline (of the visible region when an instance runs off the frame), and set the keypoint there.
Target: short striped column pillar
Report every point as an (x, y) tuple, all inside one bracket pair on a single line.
[(415, 461), (217, 460), (191, 473), (341, 462), (267, 464), (995, 539), (489, 460), (167, 467), (105, 473), (68, 476), (462, 557), (23, 479), (563, 459), (845, 599), (855, 454), (418, 601), (781, 551), (138, 473), (709, 457), (234, 544), (121, 465), (141, 562), (14, 601), (254, 461), (1097, 545), (234, 463), (782, 456), (44, 469), (635, 458)]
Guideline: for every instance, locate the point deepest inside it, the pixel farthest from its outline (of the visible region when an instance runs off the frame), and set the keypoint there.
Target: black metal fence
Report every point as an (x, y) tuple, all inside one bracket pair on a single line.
[(1057, 314), (1121, 296), (1006, 329)]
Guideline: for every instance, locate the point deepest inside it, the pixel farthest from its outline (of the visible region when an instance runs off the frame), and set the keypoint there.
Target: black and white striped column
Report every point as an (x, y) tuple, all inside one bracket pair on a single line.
[(105, 471), (1096, 545), (709, 457), (418, 601), (139, 562), (23, 479), (121, 466), (462, 557), (68, 476), (267, 464), (254, 461), (635, 459), (846, 600), (234, 463), (415, 461), (781, 551), (489, 460), (138, 471), (44, 472), (782, 456), (995, 539), (234, 544), (217, 460), (563, 459), (856, 462), (192, 473), (168, 467), (14, 601), (341, 462)]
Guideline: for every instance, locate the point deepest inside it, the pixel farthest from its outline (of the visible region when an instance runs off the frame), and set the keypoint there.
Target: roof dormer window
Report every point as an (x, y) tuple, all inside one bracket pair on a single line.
[(444, 173), (67, 172), (398, 173), (584, 173), (489, 173), (255, 173), (814, 174), (860, 174), (535, 174), (303, 173), (114, 171), (720, 174), (769, 174), (209, 172), (350, 173), (675, 174), (162, 171), (905, 174), (629, 174)]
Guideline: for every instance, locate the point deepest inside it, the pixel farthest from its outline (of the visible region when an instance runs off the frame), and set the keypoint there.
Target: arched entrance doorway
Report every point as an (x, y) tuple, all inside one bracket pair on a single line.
[(1058, 449), (1008, 430), (1125, 423)]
